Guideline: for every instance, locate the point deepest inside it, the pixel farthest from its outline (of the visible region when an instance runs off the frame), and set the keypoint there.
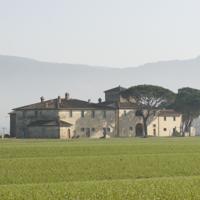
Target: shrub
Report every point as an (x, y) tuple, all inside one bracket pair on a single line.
[(176, 134)]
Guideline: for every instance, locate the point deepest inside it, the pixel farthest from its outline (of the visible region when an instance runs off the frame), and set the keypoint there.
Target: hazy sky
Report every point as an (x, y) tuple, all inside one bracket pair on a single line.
[(100, 32)]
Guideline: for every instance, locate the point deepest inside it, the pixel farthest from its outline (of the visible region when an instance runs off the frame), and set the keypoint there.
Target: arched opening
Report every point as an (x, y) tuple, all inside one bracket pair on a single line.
[(139, 130)]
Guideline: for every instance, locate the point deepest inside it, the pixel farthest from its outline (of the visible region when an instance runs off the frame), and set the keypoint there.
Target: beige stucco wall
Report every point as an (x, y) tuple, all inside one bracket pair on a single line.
[(22, 120), (127, 122), (127, 119), (123, 122), (65, 133), (159, 124), (88, 123)]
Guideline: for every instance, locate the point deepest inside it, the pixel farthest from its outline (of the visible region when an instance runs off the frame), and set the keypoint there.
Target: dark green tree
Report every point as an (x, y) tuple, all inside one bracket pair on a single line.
[(148, 99), (188, 104)]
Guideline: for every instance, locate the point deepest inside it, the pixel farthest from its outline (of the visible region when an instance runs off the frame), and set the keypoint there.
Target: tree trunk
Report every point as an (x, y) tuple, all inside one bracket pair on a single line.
[(145, 127), (183, 129), (187, 127)]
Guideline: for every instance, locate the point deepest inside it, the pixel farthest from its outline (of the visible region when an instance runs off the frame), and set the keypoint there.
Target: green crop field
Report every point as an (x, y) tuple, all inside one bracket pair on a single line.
[(136, 168)]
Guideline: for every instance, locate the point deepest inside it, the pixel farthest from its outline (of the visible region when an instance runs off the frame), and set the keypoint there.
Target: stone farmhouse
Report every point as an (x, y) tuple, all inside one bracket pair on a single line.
[(66, 118)]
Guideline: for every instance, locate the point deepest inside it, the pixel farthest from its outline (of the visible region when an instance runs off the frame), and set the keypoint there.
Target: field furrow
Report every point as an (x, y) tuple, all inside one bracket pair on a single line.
[(152, 168)]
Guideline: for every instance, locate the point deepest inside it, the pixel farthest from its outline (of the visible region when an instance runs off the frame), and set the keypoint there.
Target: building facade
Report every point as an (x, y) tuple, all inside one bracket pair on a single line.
[(72, 118)]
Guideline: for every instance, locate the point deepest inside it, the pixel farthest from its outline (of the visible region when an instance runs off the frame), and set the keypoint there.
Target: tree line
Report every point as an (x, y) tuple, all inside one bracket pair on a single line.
[(150, 98)]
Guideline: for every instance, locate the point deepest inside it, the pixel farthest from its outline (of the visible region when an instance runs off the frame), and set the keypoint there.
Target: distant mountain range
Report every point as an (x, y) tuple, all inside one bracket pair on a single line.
[(23, 81)]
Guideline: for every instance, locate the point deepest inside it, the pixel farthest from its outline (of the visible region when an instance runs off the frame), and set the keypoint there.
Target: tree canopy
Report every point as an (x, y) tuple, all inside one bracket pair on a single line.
[(188, 103), (148, 98)]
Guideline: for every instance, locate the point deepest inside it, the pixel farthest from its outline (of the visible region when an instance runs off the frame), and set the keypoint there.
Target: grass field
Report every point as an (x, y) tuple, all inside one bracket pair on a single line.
[(141, 169)]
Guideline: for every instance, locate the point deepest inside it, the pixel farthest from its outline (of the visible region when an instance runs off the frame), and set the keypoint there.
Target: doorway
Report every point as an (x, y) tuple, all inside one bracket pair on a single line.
[(69, 133), (104, 132), (87, 132), (139, 130)]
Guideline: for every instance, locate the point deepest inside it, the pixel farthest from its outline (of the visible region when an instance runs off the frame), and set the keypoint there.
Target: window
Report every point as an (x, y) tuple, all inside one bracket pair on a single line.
[(131, 128), (165, 118), (104, 114), (82, 129), (93, 129), (154, 132), (93, 114), (154, 125), (165, 129), (70, 113), (174, 118), (125, 113), (82, 113), (87, 132), (108, 129), (138, 113)]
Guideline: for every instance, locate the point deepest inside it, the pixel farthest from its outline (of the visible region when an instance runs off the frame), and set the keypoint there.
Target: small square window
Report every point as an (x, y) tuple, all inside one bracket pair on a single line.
[(82, 129), (154, 125), (82, 113), (138, 113), (131, 128), (93, 129), (165, 118), (108, 129), (174, 118), (165, 129)]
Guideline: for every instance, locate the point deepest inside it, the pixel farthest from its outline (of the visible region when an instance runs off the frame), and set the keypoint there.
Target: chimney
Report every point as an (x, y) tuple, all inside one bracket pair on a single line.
[(99, 100), (59, 99), (42, 99), (58, 102), (67, 96)]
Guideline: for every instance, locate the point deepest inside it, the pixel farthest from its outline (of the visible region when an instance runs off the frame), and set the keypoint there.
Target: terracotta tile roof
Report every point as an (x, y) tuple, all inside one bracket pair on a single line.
[(116, 89), (64, 104), (127, 105), (50, 123), (120, 105), (168, 113), (108, 103)]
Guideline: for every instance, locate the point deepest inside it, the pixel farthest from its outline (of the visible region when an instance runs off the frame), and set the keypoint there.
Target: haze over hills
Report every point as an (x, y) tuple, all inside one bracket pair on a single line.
[(24, 80)]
